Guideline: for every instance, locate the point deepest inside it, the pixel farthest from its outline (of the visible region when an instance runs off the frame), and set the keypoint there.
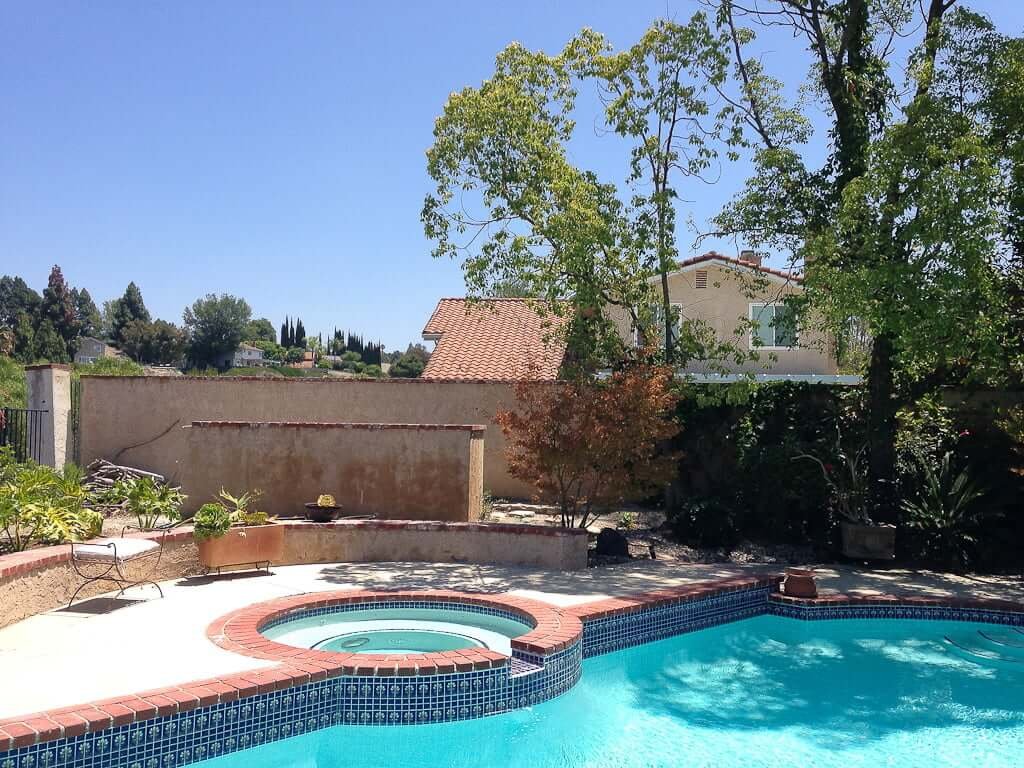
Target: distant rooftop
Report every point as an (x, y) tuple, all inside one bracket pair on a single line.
[(493, 339)]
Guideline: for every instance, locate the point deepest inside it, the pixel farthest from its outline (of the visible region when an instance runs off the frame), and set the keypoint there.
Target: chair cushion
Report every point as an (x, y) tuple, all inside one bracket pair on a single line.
[(100, 550)]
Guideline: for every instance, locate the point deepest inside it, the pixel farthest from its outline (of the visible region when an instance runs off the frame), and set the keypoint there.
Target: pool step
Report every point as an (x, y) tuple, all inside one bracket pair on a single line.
[(1013, 638), (520, 668), (970, 649)]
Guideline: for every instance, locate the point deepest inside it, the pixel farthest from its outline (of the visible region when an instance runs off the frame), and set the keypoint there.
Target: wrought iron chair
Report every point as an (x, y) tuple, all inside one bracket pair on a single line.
[(105, 559)]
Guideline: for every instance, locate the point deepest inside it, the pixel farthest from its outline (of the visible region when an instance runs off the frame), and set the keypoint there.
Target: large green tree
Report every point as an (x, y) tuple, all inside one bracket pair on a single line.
[(260, 329), (129, 308), (216, 325), (898, 228), (58, 326), (86, 313)]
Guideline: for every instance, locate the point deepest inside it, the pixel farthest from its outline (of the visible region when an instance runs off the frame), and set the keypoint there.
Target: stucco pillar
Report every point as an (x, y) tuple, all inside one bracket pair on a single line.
[(49, 390)]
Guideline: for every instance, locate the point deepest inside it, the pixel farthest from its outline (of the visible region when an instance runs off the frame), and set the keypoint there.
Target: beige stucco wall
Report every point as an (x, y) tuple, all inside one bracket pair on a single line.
[(723, 304), (43, 579), (139, 420), (392, 471)]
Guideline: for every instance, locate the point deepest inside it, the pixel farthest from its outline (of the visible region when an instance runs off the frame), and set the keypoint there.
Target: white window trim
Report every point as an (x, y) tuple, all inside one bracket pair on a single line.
[(750, 335)]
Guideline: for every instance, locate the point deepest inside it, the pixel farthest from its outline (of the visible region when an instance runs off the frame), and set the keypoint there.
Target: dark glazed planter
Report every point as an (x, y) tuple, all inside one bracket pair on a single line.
[(800, 583), (868, 542), (318, 514)]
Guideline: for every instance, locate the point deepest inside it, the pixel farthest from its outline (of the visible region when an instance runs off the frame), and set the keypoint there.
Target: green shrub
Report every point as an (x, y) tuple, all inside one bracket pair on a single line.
[(41, 505), (149, 501), (946, 512), (211, 521), (707, 522), (12, 383), (109, 366)]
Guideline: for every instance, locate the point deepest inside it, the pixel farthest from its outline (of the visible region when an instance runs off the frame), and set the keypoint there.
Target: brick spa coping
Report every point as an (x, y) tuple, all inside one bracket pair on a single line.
[(241, 632), (555, 628), (339, 425)]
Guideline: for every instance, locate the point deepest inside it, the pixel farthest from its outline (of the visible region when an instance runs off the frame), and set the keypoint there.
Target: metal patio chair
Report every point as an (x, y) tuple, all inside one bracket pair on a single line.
[(105, 559)]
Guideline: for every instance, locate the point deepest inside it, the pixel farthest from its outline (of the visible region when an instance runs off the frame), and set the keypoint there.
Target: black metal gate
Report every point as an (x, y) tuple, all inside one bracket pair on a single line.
[(22, 430)]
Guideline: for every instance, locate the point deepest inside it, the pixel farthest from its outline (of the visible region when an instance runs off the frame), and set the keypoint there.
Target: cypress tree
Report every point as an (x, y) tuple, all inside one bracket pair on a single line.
[(300, 334), (284, 333)]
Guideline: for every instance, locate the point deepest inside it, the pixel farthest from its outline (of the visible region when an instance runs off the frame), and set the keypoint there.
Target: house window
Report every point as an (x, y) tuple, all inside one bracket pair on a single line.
[(658, 323), (774, 326), (700, 279)]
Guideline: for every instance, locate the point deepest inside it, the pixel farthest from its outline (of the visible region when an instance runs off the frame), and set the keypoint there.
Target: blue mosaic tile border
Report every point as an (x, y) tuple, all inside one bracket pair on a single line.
[(616, 632), (929, 612)]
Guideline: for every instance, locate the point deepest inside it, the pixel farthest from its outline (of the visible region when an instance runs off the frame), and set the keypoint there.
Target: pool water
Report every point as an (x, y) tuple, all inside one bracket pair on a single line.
[(768, 692), (400, 630)]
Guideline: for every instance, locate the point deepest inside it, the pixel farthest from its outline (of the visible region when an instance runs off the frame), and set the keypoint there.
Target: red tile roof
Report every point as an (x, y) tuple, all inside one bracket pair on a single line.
[(713, 256), (495, 340)]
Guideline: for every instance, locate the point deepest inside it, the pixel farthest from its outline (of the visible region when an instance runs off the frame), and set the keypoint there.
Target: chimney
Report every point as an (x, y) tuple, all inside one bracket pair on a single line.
[(751, 257)]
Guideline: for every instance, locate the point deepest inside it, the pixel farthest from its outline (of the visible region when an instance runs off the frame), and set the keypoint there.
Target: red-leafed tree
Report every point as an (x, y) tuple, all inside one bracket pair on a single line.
[(586, 444)]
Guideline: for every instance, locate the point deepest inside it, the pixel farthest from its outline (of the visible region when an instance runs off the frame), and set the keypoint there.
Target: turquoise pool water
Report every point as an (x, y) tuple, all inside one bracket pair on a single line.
[(763, 693), (400, 630)]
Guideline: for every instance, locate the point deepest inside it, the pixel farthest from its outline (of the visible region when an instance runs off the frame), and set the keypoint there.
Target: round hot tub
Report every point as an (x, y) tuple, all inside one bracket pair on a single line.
[(403, 629)]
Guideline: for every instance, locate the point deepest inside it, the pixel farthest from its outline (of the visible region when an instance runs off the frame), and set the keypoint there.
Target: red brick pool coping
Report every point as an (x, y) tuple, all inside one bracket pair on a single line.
[(299, 669), (239, 631)]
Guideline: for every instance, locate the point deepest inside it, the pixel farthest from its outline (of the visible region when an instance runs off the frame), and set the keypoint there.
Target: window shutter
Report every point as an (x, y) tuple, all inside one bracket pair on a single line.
[(701, 278)]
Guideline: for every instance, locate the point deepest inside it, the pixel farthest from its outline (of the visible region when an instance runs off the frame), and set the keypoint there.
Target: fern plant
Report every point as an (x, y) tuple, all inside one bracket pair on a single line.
[(946, 511)]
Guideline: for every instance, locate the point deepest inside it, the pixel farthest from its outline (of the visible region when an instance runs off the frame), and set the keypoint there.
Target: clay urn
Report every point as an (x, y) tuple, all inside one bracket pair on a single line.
[(800, 583)]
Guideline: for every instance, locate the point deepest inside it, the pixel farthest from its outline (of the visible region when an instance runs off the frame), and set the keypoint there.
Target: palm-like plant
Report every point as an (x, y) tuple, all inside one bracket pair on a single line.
[(946, 511), (150, 501)]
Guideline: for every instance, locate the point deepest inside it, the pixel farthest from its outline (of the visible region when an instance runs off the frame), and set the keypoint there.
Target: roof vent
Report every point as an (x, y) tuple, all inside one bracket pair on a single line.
[(751, 257), (701, 278)]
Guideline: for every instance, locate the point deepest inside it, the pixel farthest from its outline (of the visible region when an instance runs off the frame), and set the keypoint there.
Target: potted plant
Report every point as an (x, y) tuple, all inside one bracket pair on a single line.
[(228, 533), (862, 538), (323, 510)]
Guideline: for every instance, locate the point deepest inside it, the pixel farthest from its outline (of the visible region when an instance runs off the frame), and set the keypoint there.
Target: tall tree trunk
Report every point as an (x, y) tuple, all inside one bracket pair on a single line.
[(882, 407)]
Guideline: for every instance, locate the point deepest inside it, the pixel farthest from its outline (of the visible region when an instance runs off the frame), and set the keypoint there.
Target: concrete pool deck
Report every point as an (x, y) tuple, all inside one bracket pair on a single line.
[(62, 658)]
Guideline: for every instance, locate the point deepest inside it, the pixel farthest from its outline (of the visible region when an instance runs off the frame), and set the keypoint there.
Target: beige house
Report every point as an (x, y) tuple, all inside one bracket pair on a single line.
[(742, 301)]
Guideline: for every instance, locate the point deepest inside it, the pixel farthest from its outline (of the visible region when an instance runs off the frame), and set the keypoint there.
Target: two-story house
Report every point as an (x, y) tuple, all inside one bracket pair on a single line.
[(743, 303)]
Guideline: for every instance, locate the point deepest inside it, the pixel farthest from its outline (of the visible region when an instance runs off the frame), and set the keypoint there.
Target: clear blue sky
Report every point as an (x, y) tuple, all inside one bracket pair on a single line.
[(266, 149)]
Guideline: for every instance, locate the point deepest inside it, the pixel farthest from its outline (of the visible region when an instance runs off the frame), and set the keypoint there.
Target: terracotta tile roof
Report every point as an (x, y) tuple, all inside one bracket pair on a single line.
[(713, 256), (493, 339)]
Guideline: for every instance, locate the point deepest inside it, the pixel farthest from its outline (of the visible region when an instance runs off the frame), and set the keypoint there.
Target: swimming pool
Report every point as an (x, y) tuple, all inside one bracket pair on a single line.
[(402, 629), (764, 692)]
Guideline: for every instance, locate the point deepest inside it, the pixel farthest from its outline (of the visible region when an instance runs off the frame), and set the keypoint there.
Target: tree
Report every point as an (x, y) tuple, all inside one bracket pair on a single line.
[(57, 312), (898, 228), (408, 366), (284, 334), (586, 444), (155, 343), (86, 314), (299, 337), (19, 306), (126, 309), (215, 325), (521, 217), (259, 329)]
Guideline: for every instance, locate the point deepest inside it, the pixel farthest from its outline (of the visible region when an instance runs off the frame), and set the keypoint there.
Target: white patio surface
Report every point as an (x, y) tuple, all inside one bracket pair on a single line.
[(62, 658)]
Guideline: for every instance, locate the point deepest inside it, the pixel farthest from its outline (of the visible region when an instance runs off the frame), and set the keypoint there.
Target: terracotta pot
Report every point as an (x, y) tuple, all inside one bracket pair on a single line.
[(800, 583), (318, 514), (868, 542), (243, 546)]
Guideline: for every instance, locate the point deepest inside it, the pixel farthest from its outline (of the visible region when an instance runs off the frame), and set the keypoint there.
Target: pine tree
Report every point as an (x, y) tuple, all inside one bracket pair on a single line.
[(86, 313), (128, 308), (58, 308)]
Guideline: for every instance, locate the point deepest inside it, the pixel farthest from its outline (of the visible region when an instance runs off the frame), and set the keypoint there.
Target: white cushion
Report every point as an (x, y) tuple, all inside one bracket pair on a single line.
[(126, 549)]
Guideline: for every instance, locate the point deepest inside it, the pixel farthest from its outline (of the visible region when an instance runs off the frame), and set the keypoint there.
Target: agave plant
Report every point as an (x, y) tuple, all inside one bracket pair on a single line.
[(946, 511)]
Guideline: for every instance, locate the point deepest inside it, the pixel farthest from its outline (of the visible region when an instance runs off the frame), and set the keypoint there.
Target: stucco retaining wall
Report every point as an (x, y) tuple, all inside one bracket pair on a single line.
[(43, 579), (392, 471), (138, 420)]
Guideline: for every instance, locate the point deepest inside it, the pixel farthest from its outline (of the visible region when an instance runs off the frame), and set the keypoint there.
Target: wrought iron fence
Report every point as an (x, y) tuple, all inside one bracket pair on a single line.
[(22, 430)]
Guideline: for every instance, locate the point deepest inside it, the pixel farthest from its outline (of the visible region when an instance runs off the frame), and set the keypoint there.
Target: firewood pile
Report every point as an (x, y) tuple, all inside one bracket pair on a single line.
[(103, 475)]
